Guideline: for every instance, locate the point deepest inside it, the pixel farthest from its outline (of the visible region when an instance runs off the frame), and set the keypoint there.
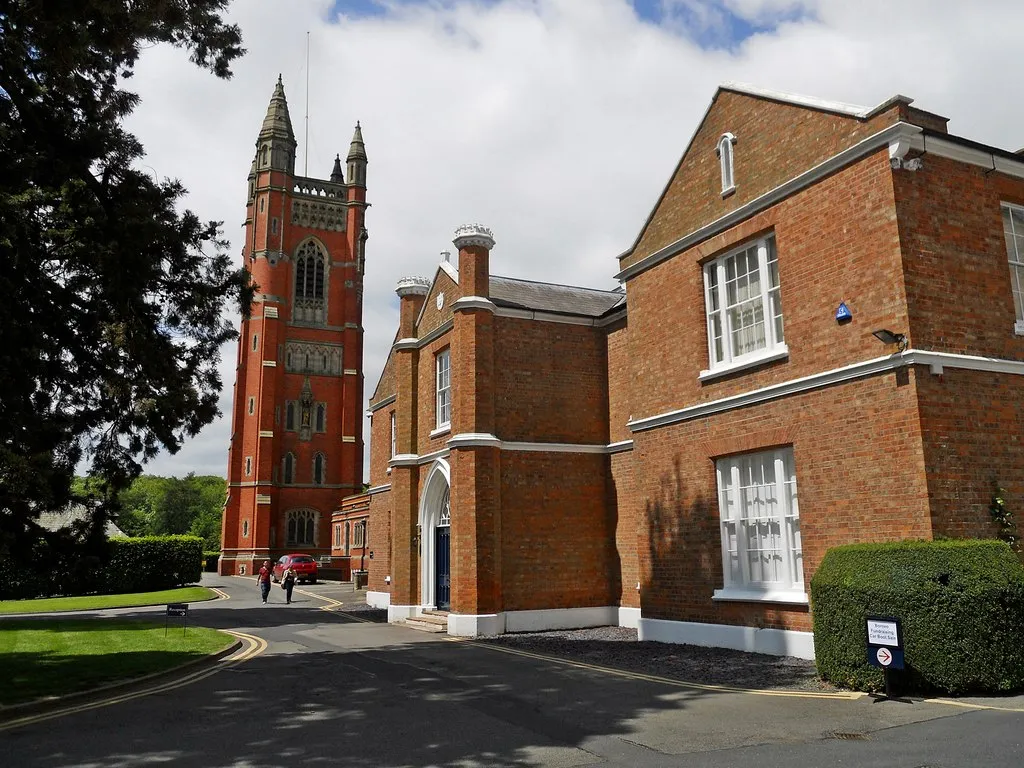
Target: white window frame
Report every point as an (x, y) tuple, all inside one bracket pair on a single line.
[(726, 164), (394, 435), (1015, 255), (766, 515), (769, 301), (443, 388)]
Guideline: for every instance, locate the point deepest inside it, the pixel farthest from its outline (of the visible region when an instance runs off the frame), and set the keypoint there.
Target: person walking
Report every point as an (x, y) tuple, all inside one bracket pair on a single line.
[(288, 582), (264, 581)]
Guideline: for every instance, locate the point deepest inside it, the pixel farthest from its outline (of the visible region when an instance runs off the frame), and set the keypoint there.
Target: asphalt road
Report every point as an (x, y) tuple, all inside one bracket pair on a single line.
[(330, 690)]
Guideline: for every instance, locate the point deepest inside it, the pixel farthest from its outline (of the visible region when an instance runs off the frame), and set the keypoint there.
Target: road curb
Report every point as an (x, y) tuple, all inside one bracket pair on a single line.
[(89, 611), (38, 706)]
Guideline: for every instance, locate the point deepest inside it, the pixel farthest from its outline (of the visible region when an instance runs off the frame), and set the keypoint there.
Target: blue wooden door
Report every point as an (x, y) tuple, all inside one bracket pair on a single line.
[(443, 583)]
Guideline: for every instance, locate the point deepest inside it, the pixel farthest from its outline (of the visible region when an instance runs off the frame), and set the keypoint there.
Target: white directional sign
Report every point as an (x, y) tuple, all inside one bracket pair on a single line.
[(884, 657), (882, 633)]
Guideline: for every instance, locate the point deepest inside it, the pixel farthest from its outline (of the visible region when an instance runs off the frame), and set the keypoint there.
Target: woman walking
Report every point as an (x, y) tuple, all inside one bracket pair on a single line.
[(288, 582)]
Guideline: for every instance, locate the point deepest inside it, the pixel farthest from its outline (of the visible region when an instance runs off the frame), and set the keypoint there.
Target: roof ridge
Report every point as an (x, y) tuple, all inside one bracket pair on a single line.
[(826, 105), (557, 285)]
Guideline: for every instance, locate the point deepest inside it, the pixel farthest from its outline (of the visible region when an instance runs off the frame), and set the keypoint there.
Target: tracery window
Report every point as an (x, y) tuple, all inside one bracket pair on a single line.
[(310, 280), (302, 527)]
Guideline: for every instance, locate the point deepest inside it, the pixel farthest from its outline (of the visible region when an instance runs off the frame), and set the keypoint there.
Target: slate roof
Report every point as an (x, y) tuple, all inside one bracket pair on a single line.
[(54, 521), (549, 297)]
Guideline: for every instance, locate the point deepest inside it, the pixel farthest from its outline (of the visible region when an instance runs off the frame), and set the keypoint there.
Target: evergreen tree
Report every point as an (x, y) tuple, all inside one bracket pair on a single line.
[(114, 301)]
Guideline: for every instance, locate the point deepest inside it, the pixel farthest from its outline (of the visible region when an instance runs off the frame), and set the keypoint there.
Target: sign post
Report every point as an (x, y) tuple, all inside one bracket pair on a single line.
[(885, 646), (177, 610)]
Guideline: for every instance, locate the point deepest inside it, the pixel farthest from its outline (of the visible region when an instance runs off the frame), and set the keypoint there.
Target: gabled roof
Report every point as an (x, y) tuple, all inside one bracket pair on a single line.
[(807, 102), (551, 297)]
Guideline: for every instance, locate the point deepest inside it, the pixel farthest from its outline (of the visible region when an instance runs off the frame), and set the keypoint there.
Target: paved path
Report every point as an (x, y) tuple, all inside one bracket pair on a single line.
[(331, 690)]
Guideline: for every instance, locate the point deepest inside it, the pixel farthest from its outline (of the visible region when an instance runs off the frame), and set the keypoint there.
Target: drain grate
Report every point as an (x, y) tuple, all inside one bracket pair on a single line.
[(850, 736)]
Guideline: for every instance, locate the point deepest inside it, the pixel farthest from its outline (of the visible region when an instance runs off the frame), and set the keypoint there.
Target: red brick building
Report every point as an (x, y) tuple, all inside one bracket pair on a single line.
[(824, 343), (350, 547), (296, 442)]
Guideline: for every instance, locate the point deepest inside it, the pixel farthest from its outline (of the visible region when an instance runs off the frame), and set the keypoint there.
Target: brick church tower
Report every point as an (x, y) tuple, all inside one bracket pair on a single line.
[(296, 436)]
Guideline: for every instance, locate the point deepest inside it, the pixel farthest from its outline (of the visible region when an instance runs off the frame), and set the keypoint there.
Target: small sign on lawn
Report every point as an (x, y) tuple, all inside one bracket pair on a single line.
[(177, 611), (885, 645)]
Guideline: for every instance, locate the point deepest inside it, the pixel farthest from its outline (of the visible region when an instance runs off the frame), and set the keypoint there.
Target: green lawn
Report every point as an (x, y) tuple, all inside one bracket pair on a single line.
[(53, 657), (98, 602)]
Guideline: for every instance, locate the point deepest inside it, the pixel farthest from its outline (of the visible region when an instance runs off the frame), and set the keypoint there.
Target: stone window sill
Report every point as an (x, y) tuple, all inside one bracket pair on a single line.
[(444, 429), (751, 595), (778, 353)]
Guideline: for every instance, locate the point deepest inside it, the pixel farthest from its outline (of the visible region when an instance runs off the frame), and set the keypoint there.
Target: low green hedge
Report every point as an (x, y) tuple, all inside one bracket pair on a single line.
[(210, 560), (55, 567), (961, 606), (149, 563)]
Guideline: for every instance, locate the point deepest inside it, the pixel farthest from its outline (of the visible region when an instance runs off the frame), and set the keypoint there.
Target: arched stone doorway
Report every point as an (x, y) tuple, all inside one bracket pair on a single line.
[(434, 526)]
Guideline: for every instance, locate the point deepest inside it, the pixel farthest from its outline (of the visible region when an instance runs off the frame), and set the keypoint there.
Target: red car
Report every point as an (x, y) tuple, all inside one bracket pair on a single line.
[(305, 568)]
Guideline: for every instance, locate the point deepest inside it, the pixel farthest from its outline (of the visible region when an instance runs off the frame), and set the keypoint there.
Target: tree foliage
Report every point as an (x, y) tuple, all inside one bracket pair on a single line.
[(114, 299)]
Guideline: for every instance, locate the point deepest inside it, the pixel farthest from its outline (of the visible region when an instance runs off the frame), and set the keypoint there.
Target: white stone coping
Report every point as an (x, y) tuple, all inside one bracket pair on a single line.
[(412, 286), (473, 234), (775, 642)]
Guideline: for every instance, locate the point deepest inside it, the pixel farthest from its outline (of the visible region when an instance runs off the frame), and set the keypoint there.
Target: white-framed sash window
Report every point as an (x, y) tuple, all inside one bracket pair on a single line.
[(443, 367), (743, 301), (1013, 230), (762, 554)]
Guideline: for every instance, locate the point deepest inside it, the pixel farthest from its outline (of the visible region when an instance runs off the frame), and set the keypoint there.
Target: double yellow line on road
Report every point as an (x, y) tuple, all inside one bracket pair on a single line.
[(332, 606), (252, 646)]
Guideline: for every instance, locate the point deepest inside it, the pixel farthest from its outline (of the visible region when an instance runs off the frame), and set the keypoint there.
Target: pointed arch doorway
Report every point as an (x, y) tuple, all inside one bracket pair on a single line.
[(435, 538)]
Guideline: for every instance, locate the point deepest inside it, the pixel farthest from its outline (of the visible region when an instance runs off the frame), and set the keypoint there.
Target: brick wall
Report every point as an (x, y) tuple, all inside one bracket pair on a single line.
[(380, 533), (556, 533), (620, 383), (972, 424), (860, 477), (836, 241), (623, 509), (551, 382), (774, 142), (957, 271)]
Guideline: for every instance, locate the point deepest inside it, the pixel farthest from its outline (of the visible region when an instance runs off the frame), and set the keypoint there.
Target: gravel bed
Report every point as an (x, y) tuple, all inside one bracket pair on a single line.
[(363, 611), (618, 647)]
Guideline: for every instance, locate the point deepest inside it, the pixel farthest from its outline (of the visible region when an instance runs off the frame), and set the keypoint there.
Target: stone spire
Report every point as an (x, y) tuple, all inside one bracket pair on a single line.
[(336, 174), (275, 147), (357, 159)]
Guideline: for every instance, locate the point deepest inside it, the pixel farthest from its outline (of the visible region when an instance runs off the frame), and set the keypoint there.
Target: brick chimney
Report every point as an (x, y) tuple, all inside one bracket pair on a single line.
[(413, 292), (474, 243)]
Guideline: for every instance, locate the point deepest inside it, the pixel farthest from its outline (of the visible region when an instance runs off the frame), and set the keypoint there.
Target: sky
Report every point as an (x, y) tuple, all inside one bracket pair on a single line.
[(556, 123)]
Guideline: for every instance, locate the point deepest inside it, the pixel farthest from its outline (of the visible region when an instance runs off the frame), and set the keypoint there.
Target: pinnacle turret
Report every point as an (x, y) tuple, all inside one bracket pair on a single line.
[(337, 176), (357, 159), (275, 147)]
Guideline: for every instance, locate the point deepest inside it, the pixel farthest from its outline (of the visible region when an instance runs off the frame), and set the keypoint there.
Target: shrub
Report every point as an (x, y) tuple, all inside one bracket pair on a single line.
[(961, 604), (210, 560), (150, 563)]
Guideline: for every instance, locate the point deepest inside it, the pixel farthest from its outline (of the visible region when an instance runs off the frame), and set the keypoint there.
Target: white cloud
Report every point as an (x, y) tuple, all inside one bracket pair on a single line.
[(554, 122)]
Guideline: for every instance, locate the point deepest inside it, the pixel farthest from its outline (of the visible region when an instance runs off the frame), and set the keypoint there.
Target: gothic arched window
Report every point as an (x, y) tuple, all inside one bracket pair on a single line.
[(319, 466), (309, 272), (289, 468), (321, 417), (725, 160), (302, 527)]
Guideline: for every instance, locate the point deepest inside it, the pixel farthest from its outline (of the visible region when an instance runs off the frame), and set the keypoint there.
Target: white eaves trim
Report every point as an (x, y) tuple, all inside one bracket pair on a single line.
[(935, 360), (935, 145), (382, 404), (771, 197), (485, 440), (450, 270), (378, 489), (411, 343)]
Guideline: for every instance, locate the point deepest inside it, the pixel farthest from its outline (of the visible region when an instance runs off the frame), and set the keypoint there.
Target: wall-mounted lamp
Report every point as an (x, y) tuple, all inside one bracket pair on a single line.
[(886, 336)]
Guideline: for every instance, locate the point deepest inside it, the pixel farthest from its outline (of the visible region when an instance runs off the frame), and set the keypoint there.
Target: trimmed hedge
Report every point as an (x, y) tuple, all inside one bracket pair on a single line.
[(149, 563), (961, 605), (57, 567), (210, 560)]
